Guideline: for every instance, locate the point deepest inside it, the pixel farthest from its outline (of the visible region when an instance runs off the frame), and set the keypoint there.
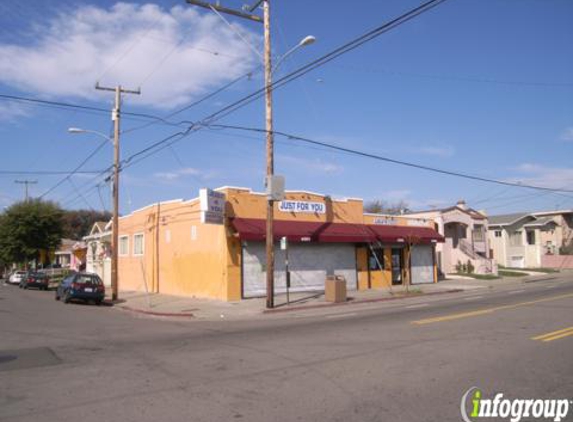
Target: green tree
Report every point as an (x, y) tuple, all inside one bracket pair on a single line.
[(28, 227), (383, 207), (78, 223)]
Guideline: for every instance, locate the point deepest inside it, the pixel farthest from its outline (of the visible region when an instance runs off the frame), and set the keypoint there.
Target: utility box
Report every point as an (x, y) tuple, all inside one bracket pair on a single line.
[(275, 186), (335, 289)]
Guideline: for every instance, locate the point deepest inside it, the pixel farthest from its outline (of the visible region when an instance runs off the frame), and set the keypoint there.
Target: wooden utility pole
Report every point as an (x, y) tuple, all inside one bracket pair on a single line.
[(115, 116), (26, 183), (266, 20), (270, 247)]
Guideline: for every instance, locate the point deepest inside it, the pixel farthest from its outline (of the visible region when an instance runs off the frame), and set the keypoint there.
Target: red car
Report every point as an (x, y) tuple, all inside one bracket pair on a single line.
[(38, 280)]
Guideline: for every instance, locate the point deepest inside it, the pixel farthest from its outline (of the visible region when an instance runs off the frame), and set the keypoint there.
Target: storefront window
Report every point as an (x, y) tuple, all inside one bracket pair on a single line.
[(377, 260)]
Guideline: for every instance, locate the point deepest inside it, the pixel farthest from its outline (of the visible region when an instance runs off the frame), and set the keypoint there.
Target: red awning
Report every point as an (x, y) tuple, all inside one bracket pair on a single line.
[(304, 231), (405, 234)]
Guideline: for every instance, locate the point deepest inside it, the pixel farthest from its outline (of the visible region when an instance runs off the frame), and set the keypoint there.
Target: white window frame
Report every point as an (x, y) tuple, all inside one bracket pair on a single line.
[(126, 243), (142, 244)]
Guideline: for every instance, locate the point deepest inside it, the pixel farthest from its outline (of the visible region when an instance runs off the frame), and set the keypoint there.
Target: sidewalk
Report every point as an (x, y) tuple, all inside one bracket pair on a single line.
[(161, 305)]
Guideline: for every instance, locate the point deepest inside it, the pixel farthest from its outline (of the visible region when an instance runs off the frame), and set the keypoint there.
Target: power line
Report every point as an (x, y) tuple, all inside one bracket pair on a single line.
[(61, 104), (395, 161), (345, 48), (45, 172), (195, 103), (85, 160)]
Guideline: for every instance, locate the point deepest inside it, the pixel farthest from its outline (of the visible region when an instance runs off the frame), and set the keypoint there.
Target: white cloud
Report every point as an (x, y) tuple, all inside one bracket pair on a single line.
[(125, 45), (567, 134), (315, 165), (540, 175)]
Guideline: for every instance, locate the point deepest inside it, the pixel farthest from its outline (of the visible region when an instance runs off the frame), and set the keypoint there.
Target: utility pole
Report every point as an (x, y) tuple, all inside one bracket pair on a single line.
[(115, 116), (266, 20), (26, 183)]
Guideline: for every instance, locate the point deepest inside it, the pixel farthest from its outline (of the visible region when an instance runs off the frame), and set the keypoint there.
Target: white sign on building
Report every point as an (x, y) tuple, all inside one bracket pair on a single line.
[(418, 223), (386, 221), (302, 207), (212, 206)]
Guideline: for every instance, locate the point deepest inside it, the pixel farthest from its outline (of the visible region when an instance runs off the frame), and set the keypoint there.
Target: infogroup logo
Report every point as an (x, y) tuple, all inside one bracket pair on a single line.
[(511, 409)]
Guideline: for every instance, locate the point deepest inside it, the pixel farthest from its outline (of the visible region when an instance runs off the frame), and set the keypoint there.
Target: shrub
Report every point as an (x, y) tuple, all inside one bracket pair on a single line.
[(470, 267)]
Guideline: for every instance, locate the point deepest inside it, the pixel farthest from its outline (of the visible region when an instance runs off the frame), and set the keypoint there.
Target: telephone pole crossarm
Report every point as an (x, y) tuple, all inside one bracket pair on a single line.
[(226, 10)]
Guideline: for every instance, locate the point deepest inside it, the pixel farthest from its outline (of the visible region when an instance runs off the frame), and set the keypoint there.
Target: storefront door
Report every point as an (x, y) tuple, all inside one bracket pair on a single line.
[(377, 266), (397, 260)]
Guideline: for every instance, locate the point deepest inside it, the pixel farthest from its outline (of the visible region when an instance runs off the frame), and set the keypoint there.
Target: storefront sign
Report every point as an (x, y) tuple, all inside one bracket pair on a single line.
[(212, 206), (418, 223), (211, 200), (302, 207), (208, 217), (386, 221)]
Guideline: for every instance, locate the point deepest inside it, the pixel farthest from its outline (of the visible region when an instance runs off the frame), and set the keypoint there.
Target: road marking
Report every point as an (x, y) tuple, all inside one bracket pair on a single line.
[(487, 310), (515, 291), (473, 297), (555, 335), (420, 305), (549, 287), (340, 315)]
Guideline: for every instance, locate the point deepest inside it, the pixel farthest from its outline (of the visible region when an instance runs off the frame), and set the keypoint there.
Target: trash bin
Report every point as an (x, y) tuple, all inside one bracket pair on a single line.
[(335, 289)]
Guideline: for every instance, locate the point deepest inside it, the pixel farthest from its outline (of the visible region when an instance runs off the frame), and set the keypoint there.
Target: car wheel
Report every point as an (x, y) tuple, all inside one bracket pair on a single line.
[(98, 302), (57, 297)]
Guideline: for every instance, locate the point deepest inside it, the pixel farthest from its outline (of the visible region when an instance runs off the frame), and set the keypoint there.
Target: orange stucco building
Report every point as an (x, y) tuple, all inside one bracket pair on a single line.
[(166, 248)]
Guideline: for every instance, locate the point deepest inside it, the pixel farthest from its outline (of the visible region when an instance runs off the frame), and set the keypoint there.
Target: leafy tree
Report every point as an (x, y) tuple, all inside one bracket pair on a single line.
[(28, 227), (383, 207), (78, 223)]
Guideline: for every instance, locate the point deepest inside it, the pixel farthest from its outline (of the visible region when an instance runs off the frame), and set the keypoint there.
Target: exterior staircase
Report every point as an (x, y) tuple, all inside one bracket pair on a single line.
[(464, 252)]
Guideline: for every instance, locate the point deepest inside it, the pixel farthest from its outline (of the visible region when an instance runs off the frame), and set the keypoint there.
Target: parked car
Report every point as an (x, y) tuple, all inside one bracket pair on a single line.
[(81, 286), (16, 277), (31, 279)]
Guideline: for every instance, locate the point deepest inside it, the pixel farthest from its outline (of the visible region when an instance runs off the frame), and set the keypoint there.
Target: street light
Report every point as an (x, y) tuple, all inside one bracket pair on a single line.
[(308, 40), (269, 69), (95, 132), (115, 216)]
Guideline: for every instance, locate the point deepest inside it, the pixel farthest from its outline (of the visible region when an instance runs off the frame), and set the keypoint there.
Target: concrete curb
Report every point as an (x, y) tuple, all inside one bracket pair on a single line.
[(153, 313), (358, 302)]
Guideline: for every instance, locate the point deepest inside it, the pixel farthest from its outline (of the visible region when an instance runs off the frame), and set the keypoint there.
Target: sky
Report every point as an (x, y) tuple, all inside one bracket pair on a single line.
[(482, 87)]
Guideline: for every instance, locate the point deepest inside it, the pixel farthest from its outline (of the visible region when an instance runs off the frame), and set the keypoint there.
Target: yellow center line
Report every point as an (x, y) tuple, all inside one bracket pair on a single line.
[(570, 333), (487, 310), (553, 333)]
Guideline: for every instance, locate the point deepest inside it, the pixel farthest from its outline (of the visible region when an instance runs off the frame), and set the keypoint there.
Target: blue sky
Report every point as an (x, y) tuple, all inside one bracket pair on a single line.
[(479, 86)]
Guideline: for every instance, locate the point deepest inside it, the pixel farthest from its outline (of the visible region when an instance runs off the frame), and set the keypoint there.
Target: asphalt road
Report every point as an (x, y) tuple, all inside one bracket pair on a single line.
[(408, 360)]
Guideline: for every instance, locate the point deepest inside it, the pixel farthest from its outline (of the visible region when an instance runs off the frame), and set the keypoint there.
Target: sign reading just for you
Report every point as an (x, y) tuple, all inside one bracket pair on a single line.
[(302, 207)]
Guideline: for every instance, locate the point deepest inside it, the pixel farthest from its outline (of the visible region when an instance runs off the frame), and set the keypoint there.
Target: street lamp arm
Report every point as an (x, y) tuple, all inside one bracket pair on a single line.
[(95, 132), (309, 39)]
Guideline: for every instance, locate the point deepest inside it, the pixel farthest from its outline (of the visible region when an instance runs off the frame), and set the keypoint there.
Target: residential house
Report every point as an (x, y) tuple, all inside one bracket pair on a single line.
[(71, 255), (531, 240), (177, 248), (466, 240), (98, 256)]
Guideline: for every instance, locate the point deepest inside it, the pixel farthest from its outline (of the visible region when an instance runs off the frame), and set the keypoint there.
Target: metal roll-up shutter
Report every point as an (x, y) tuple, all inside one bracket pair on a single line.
[(310, 263), (422, 264)]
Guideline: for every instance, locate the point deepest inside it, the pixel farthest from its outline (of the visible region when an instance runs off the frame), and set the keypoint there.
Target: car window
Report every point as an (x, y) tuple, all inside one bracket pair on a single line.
[(88, 279), (68, 279)]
